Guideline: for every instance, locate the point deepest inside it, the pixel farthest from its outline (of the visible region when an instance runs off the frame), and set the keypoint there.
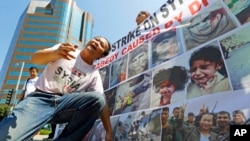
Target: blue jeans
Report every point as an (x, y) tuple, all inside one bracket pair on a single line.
[(79, 110)]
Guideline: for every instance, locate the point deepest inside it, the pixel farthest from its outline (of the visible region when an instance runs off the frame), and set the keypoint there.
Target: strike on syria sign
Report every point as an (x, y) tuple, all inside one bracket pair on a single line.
[(168, 17)]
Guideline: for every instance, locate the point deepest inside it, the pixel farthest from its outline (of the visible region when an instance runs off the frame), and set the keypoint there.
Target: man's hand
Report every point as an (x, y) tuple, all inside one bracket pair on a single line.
[(51, 54), (203, 110), (65, 49), (183, 107), (108, 137)]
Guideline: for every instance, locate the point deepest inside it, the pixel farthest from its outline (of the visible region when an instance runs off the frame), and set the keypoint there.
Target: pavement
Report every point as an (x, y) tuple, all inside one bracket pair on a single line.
[(40, 137)]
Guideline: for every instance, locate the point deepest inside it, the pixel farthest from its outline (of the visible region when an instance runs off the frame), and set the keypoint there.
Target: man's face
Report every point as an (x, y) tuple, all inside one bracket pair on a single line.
[(190, 119), (222, 120), (139, 62), (164, 116), (239, 118), (203, 71), (206, 122), (97, 46), (176, 113), (167, 48), (33, 73)]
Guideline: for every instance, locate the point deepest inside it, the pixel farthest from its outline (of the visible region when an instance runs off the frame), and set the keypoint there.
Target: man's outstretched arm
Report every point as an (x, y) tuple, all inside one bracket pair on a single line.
[(106, 123)]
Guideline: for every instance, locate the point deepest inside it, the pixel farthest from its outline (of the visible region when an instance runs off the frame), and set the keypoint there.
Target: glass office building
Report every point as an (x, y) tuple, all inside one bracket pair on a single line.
[(42, 25)]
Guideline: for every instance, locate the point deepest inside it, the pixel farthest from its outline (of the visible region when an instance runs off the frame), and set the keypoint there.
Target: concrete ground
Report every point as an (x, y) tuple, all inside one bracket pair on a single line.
[(40, 137)]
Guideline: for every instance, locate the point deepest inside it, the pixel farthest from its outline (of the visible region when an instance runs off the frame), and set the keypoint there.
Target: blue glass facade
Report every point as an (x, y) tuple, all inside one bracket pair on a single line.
[(42, 27)]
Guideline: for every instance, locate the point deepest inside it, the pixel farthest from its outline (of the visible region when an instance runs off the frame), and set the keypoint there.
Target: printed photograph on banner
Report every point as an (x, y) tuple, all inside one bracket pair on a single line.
[(139, 126), (208, 72), (202, 124), (104, 72), (134, 94), (240, 8), (138, 60), (208, 25), (237, 60), (148, 125), (124, 126), (169, 84), (240, 117), (168, 131), (110, 96), (164, 47), (210, 114), (118, 71), (98, 131)]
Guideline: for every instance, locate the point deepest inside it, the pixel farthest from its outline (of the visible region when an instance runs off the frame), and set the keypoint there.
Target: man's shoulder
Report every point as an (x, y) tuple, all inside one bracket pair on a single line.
[(28, 79)]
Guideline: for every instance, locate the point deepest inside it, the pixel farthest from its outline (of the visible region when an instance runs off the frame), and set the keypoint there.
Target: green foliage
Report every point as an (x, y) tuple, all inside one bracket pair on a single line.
[(45, 132), (4, 110)]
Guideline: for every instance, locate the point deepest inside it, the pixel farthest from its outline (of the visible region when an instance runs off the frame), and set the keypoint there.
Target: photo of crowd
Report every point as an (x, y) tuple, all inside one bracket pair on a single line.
[(181, 121)]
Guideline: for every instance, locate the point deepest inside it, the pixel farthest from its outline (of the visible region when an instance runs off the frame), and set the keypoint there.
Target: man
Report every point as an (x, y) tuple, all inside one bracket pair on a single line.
[(202, 132), (190, 120), (238, 118), (142, 16), (68, 91), (167, 129), (29, 85), (223, 126), (172, 121)]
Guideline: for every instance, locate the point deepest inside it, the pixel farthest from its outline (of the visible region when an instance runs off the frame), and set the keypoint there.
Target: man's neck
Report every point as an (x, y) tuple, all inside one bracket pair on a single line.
[(86, 57), (224, 129)]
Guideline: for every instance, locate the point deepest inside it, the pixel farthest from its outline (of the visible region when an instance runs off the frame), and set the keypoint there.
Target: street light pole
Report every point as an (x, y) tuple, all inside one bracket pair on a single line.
[(17, 84)]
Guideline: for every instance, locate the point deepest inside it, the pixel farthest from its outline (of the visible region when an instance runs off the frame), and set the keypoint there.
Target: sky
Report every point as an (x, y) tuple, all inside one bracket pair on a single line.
[(113, 19)]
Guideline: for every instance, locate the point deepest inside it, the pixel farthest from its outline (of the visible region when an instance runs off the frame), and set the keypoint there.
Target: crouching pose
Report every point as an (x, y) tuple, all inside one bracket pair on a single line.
[(69, 90)]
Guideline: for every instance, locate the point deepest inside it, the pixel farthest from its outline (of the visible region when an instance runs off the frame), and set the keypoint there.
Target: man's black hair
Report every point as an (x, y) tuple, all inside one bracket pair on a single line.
[(106, 52), (32, 67)]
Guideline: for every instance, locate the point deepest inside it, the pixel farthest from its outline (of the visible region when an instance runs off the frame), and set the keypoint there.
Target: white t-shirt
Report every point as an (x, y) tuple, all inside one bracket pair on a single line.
[(67, 76), (30, 86)]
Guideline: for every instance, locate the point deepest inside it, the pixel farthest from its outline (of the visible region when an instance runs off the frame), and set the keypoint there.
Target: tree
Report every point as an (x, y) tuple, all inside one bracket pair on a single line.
[(4, 112)]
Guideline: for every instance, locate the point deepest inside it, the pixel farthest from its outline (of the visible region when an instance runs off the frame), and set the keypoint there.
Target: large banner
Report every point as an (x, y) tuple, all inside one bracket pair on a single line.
[(179, 73)]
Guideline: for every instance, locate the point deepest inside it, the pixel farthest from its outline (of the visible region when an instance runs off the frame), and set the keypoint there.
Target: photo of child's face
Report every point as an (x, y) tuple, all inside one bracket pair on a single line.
[(167, 91), (167, 48), (203, 71), (139, 62)]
